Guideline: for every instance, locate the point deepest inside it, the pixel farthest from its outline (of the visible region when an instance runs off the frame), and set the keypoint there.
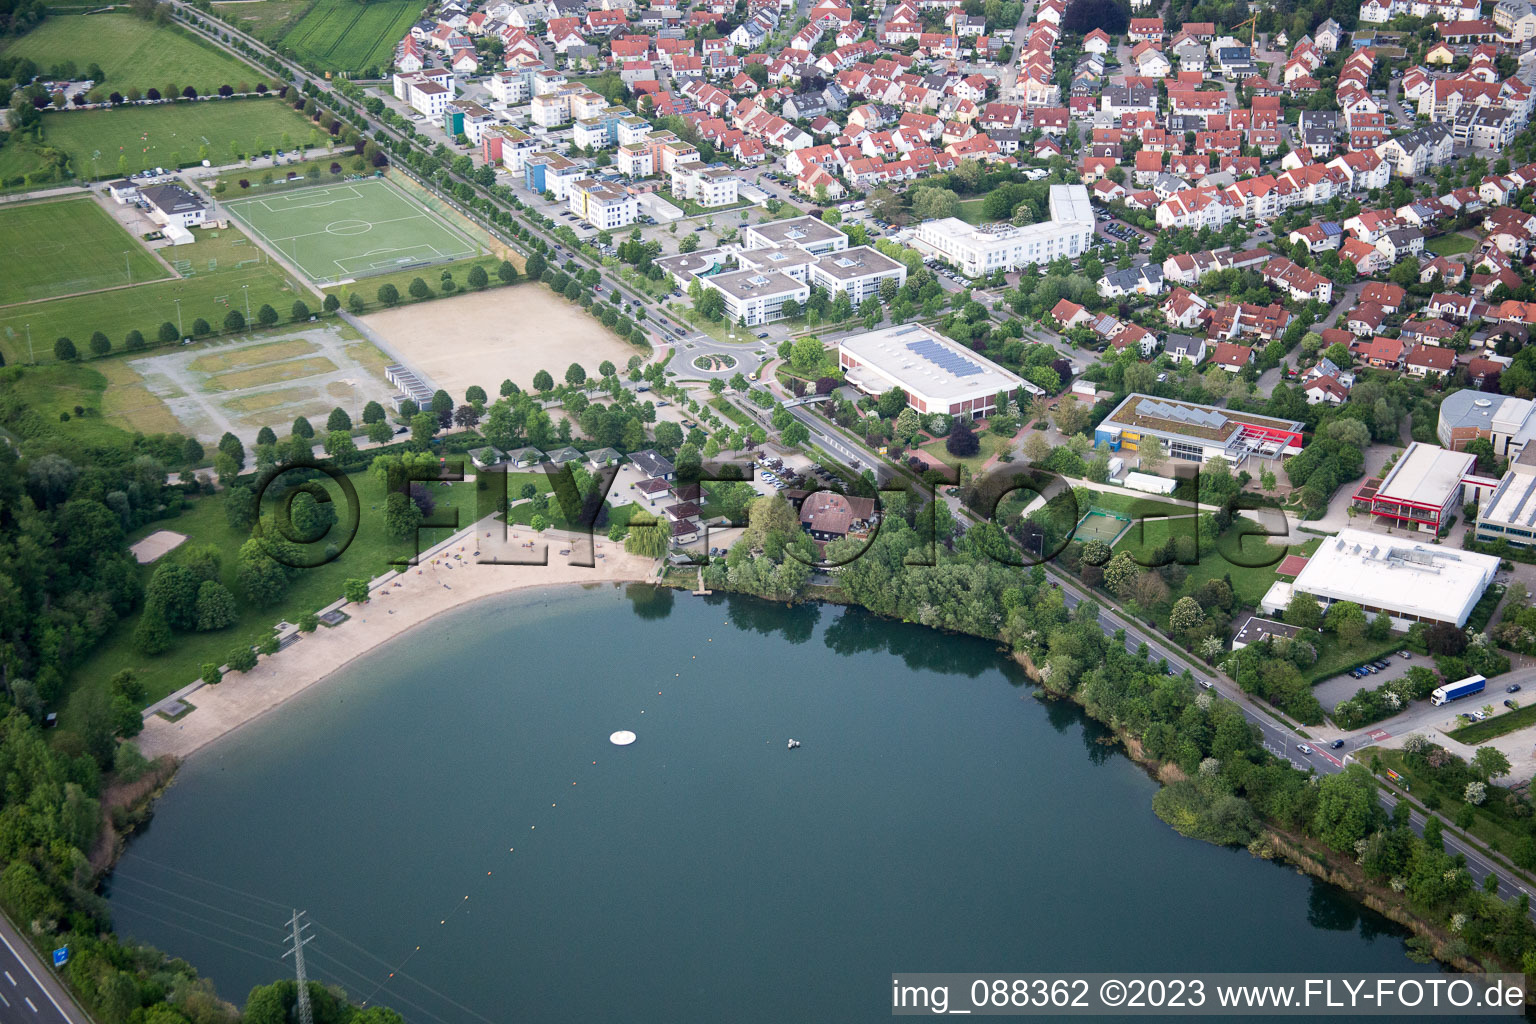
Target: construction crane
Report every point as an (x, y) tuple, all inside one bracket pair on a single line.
[(1252, 26)]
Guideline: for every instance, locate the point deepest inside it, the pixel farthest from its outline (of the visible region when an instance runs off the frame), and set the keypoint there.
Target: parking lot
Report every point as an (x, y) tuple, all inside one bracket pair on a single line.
[(1344, 686)]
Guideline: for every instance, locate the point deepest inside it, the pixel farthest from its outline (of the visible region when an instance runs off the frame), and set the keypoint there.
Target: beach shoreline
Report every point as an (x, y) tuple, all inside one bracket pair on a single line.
[(449, 579)]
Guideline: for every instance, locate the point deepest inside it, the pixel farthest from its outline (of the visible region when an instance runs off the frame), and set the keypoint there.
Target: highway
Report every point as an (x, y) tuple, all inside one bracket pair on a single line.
[(29, 993)]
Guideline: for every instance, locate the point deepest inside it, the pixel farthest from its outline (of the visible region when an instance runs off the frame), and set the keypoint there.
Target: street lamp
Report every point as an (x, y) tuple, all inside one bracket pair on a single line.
[(178, 318), (247, 289), (31, 356), (128, 266)]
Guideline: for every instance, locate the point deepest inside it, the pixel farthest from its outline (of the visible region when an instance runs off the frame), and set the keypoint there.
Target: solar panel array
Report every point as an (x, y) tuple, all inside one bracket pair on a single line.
[(1181, 414), (944, 359)]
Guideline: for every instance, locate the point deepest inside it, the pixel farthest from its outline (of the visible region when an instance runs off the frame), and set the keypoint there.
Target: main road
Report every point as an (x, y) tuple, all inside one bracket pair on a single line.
[(29, 993)]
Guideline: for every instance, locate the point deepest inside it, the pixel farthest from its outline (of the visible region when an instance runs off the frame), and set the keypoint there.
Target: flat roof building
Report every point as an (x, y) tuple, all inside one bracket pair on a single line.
[(1509, 514), (858, 271), (809, 233), (1423, 488), (1503, 420), (937, 373), (1409, 580), (1198, 433), (1256, 629), (602, 205), (756, 296), (981, 249)]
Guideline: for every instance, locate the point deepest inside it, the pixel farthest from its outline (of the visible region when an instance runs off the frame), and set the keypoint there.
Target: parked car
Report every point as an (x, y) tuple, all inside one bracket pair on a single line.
[(1512, 688), (1303, 748), (1336, 744), (1508, 703), (1405, 655)]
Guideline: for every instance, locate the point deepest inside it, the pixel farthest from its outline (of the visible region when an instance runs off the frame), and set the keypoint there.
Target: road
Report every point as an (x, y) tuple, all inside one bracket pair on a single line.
[(28, 991)]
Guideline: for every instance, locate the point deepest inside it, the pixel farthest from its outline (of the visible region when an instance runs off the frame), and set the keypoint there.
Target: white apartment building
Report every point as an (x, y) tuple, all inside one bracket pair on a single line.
[(981, 249), (711, 186), (428, 92), (606, 207)]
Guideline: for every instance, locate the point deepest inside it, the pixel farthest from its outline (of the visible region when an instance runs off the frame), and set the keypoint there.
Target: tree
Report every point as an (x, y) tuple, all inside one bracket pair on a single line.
[(301, 428), (234, 320), (300, 309), (266, 315), (356, 591), (215, 606), (133, 341), (542, 381), (962, 440), (795, 435), (241, 658), (152, 635), (64, 351), (338, 420), (1120, 574), (211, 674), (1150, 450), (389, 294), (100, 346), (575, 376), (379, 432), (1186, 615), (1347, 620), (355, 304), (1346, 807), (191, 452), (478, 278), (1304, 611), (424, 426), (401, 516), (442, 402), (1489, 763), (507, 273), (419, 289), (331, 304), (340, 446)]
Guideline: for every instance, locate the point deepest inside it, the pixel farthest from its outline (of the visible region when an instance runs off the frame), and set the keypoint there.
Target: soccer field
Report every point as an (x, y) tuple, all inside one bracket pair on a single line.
[(333, 232), (73, 245)]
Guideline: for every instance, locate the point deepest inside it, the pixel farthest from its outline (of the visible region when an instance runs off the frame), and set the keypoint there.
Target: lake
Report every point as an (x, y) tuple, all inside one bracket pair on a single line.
[(456, 791)]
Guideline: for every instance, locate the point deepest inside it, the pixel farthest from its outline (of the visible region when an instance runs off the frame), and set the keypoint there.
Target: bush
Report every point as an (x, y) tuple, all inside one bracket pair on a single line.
[(211, 673), (241, 658)]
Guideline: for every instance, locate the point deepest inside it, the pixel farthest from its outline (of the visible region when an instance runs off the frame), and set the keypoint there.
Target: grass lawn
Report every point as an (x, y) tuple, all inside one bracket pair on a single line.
[(311, 589), (1498, 725), (1334, 657), (1449, 245), (267, 20), (208, 293), (55, 388), (991, 444), (342, 35), (369, 287), (1486, 825), (1249, 584), (970, 211), (106, 143), (62, 247), (724, 407), (132, 52)]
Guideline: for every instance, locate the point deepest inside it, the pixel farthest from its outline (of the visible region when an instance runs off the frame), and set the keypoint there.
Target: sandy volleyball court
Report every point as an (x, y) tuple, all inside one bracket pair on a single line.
[(448, 579), (497, 335)]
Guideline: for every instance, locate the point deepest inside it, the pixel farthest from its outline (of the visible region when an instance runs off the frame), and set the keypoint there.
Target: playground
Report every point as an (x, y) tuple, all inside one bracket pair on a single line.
[(350, 230)]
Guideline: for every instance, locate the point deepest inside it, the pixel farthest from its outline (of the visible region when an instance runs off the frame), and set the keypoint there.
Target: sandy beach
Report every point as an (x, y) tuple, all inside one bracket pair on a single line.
[(440, 584)]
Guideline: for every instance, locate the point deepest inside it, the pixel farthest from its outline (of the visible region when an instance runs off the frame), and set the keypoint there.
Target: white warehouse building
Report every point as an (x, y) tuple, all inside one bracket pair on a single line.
[(1410, 581), (937, 373), (981, 249)]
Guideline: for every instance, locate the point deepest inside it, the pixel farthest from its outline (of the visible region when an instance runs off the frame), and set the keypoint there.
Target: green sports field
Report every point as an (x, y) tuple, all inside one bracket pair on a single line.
[(132, 52), (222, 268), (349, 230), (67, 246), (106, 143), (345, 35)]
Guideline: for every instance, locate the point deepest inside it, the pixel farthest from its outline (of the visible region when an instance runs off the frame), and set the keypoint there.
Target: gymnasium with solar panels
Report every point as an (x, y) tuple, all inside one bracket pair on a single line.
[(937, 373), (1198, 433)]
